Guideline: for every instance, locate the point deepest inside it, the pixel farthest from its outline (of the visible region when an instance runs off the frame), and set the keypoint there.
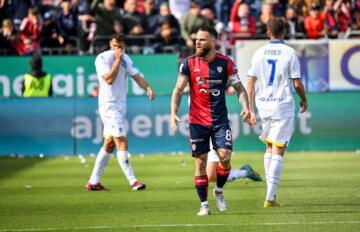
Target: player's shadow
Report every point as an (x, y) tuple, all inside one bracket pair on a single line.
[(9, 166), (297, 212)]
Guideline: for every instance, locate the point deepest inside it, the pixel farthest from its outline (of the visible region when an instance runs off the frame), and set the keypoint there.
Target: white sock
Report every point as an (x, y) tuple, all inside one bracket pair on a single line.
[(125, 166), (274, 176), (217, 189), (237, 174), (204, 203), (101, 161), (267, 161)]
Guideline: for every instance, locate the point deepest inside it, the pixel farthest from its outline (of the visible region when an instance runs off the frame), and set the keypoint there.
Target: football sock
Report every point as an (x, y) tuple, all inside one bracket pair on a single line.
[(201, 184), (237, 174), (101, 161), (125, 166), (274, 176), (267, 161), (221, 176)]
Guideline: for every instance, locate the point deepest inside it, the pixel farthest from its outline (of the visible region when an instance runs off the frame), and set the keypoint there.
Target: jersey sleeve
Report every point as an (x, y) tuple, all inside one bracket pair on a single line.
[(184, 69), (232, 73), (252, 72), (102, 65), (130, 68), (295, 72)]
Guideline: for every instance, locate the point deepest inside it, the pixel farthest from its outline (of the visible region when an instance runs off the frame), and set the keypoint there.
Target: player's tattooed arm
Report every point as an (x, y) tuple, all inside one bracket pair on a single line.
[(176, 100), (243, 99)]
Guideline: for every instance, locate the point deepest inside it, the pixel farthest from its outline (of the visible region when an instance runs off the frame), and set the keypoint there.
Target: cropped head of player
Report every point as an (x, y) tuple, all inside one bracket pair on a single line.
[(117, 42), (276, 28), (205, 41)]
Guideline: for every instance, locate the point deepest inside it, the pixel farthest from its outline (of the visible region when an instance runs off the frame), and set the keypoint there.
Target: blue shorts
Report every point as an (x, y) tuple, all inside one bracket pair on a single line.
[(200, 138)]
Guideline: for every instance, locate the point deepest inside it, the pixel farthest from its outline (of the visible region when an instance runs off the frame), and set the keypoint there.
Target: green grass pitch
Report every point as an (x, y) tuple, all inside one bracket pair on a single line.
[(319, 191)]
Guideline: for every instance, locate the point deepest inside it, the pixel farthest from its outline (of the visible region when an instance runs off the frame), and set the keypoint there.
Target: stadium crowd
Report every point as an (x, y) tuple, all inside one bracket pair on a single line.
[(85, 26)]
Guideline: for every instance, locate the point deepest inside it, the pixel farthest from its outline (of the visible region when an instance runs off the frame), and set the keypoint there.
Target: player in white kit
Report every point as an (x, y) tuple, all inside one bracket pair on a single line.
[(112, 68), (276, 69)]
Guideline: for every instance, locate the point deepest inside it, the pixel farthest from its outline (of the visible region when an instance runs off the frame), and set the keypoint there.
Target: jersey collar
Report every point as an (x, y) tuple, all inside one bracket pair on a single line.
[(277, 41)]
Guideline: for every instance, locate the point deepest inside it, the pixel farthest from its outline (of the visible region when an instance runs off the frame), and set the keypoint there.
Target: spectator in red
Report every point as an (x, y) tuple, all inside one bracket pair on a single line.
[(345, 16), (240, 20), (30, 31), (315, 22)]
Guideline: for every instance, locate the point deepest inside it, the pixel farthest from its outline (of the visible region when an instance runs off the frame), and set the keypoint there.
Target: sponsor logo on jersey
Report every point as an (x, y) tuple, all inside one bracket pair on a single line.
[(197, 70)]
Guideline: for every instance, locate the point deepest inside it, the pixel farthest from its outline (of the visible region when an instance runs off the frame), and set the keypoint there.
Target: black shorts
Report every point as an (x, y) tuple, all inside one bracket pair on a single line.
[(200, 138)]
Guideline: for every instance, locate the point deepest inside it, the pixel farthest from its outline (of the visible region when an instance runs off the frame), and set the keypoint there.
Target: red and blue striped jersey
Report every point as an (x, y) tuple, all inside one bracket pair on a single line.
[(208, 82)]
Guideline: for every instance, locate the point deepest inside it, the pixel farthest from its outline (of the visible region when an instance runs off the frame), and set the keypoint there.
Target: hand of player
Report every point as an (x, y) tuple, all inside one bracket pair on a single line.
[(303, 105), (245, 115), (119, 53), (173, 119), (252, 120), (150, 93)]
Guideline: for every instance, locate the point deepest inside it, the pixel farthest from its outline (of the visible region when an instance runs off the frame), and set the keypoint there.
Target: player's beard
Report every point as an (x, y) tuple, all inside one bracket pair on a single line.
[(202, 52)]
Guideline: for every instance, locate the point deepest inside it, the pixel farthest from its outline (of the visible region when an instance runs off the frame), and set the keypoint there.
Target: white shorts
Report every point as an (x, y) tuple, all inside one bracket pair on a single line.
[(277, 131), (114, 122)]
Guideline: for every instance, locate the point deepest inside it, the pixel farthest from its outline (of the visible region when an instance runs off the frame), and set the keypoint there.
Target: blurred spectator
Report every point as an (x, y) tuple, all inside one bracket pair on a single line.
[(30, 31), (223, 9), (300, 7), (266, 14), (214, 22), (356, 16), (294, 26), (168, 29), (331, 10), (4, 14), (345, 16), (134, 22), (241, 21), (8, 38), (191, 24), (151, 16), (19, 10), (36, 83), (50, 36), (314, 23), (278, 7), (165, 15), (86, 23), (108, 21), (166, 35), (179, 8), (68, 25), (107, 18)]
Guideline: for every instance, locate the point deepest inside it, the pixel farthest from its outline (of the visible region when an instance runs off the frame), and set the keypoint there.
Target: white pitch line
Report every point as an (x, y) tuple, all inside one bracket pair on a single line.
[(181, 225)]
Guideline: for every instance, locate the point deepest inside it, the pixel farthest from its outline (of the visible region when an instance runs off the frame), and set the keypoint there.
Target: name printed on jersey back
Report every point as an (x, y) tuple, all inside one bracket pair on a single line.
[(272, 52)]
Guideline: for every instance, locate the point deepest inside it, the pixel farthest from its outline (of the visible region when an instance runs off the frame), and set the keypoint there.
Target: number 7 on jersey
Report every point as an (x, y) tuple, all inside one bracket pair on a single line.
[(272, 73)]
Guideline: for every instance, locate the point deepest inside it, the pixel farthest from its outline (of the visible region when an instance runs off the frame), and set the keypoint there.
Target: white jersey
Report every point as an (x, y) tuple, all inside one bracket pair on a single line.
[(275, 65), (113, 97)]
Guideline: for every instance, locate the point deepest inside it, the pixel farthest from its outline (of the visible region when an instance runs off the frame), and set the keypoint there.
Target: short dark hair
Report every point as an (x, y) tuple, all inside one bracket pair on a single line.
[(36, 62), (211, 31), (276, 27), (120, 38)]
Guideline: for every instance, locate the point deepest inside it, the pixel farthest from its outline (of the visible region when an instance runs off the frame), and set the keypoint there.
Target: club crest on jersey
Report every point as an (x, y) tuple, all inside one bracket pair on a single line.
[(193, 146), (200, 81), (219, 69)]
